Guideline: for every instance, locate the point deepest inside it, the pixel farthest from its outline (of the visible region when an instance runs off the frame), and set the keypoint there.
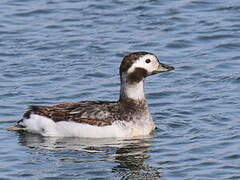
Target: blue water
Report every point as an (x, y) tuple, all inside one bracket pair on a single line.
[(66, 51)]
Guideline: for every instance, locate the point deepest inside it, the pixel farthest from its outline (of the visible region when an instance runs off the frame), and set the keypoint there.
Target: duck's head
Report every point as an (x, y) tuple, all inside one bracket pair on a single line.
[(138, 65)]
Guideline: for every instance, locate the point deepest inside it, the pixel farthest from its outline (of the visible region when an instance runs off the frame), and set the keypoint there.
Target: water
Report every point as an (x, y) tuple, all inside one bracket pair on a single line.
[(66, 51)]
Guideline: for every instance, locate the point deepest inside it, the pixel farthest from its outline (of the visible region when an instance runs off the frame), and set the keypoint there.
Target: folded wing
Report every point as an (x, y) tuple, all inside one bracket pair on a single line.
[(93, 113)]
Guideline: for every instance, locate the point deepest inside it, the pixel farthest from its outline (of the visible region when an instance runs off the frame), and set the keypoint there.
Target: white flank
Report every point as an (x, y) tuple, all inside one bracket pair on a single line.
[(47, 127)]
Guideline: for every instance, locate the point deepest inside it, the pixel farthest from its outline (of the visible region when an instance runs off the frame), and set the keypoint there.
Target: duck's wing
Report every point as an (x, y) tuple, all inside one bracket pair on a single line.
[(92, 113)]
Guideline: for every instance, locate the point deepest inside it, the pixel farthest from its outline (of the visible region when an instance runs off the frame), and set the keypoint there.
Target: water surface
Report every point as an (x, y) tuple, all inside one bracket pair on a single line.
[(67, 51)]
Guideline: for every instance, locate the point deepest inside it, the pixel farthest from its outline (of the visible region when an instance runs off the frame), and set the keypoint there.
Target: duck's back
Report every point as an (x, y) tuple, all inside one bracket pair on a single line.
[(90, 112)]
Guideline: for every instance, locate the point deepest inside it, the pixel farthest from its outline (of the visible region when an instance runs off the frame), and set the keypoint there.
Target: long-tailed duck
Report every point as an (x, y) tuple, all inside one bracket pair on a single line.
[(127, 117)]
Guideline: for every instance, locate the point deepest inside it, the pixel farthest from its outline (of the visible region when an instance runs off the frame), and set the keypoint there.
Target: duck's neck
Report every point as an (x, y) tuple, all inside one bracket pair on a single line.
[(132, 90)]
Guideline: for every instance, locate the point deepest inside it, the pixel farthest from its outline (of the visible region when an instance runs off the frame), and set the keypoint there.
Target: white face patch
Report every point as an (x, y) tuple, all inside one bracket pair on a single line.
[(148, 62)]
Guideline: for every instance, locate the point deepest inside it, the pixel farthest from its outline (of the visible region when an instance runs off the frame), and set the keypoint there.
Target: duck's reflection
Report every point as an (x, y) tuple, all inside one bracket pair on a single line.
[(131, 161), (130, 155)]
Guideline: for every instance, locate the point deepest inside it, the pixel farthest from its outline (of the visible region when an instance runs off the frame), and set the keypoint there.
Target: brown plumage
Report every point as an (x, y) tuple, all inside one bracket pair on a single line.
[(98, 113)]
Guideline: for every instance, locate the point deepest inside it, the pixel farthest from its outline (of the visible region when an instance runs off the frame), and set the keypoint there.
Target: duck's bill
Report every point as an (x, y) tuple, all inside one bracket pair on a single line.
[(163, 68), (15, 128)]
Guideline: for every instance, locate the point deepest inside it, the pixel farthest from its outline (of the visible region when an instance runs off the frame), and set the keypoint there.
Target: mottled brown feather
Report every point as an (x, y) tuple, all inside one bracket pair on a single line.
[(88, 112)]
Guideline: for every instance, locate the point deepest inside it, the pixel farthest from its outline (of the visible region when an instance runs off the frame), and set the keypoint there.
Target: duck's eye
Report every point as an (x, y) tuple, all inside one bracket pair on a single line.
[(147, 60)]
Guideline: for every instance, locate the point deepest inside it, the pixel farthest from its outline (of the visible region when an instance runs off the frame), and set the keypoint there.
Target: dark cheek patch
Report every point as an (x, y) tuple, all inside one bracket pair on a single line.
[(138, 75)]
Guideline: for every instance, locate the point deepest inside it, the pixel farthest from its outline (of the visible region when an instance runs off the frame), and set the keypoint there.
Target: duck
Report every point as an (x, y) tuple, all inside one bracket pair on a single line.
[(127, 117)]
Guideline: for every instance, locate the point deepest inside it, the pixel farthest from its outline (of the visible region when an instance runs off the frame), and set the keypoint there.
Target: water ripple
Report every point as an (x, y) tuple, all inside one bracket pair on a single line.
[(68, 51)]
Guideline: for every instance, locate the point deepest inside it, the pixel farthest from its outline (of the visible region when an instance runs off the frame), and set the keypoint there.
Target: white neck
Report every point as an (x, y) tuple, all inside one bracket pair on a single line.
[(133, 91)]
